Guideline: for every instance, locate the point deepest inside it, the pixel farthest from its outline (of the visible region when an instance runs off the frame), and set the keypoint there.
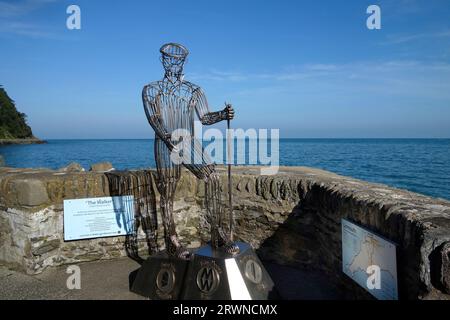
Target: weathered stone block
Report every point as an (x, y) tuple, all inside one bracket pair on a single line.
[(46, 246), (440, 267), (445, 273), (101, 167), (72, 167), (30, 192)]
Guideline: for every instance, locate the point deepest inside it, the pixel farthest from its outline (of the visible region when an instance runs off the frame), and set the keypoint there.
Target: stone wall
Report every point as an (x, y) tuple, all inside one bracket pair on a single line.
[(292, 218)]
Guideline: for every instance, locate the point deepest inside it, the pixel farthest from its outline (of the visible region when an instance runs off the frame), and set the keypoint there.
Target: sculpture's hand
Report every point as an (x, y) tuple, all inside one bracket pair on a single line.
[(170, 145), (174, 149), (168, 141), (228, 111)]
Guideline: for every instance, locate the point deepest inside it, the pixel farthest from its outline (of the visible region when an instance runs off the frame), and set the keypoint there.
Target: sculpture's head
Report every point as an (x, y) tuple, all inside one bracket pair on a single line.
[(173, 57)]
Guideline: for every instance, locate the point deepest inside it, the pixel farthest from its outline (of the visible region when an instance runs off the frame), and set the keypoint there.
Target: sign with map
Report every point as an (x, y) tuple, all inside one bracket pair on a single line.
[(370, 260), (98, 217)]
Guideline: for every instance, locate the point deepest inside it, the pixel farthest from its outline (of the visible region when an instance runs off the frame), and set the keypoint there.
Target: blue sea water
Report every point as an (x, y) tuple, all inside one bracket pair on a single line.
[(419, 165)]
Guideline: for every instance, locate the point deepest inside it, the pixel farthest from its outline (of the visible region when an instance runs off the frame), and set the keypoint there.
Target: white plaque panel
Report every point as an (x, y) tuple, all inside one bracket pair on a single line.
[(370, 260), (98, 217)]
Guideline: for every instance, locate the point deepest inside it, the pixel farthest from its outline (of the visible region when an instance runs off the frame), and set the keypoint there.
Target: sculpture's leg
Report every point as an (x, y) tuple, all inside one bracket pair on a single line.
[(168, 175), (206, 171), (219, 237)]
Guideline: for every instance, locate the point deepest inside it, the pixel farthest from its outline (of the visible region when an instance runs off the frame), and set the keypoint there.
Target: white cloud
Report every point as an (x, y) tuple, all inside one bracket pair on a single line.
[(403, 79), (322, 67), (20, 8), (217, 75), (24, 29), (308, 71), (12, 17), (403, 38)]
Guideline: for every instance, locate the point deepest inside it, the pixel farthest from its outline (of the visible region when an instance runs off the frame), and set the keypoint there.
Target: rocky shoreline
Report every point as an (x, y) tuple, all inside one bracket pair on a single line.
[(22, 141)]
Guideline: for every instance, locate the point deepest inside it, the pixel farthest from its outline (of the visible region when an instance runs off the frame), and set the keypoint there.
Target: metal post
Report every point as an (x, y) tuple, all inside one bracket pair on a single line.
[(230, 200)]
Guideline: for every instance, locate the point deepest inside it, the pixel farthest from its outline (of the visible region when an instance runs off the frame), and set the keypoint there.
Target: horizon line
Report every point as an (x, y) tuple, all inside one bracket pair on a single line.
[(282, 138)]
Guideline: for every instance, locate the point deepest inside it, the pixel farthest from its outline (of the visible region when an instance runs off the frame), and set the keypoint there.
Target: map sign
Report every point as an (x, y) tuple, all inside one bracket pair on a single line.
[(370, 260), (98, 217)]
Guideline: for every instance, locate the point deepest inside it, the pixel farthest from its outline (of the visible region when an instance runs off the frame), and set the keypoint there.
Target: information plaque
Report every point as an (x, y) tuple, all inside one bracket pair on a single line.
[(98, 217), (370, 260)]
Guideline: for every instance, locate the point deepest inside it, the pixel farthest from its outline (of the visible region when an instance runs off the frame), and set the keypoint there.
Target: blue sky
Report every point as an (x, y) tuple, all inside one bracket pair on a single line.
[(309, 68)]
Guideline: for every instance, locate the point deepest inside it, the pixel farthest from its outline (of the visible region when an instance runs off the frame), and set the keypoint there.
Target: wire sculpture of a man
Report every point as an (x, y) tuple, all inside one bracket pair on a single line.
[(170, 104)]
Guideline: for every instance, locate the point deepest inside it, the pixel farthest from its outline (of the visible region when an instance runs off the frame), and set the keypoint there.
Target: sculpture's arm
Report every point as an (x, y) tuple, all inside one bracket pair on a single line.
[(154, 118), (205, 115)]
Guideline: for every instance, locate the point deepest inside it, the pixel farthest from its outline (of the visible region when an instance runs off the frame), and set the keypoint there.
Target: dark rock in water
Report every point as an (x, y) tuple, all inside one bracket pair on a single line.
[(2, 162), (101, 167), (32, 140), (72, 167)]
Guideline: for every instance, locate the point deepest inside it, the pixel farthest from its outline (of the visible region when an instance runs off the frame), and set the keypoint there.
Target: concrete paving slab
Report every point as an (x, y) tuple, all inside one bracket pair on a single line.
[(108, 280)]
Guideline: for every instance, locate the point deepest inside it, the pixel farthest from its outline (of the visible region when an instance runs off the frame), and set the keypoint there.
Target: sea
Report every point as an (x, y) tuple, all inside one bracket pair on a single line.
[(418, 165)]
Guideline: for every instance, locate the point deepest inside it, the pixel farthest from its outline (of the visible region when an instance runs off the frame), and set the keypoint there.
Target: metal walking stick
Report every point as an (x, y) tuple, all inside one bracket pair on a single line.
[(230, 200)]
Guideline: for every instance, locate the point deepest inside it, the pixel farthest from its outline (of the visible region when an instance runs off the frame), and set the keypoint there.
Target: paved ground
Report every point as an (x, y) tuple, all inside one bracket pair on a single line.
[(295, 284), (108, 279)]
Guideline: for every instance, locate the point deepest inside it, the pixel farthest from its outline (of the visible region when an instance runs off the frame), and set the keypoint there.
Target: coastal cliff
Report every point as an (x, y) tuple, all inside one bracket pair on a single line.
[(292, 218), (13, 125), (22, 141)]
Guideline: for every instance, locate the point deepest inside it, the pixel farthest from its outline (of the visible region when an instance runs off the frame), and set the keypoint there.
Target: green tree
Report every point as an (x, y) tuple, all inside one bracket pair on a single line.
[(13, 124)]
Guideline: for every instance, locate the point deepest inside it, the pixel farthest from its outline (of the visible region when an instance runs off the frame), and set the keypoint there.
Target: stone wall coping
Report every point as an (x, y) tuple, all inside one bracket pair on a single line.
[(375, 193)]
